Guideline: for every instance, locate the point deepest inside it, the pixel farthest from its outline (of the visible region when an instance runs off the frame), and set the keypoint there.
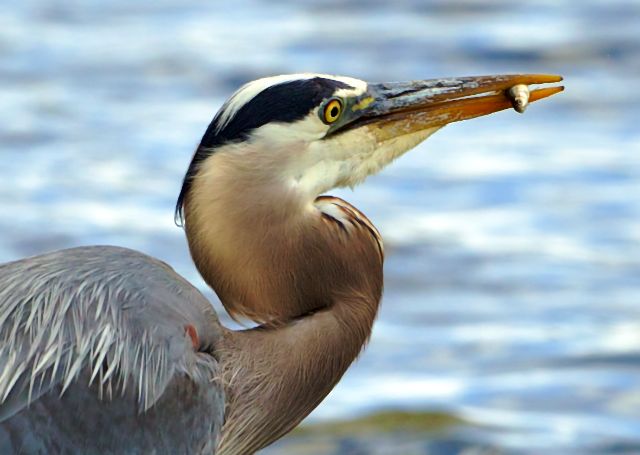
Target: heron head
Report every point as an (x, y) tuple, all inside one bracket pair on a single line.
[(309, 133)]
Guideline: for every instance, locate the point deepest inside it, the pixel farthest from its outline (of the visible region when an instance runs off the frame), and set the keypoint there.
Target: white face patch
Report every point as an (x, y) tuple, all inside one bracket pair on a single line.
[(310, 128)]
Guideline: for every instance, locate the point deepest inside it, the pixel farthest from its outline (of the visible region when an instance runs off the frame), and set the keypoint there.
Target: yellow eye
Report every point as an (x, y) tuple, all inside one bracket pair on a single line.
[(332, 111)]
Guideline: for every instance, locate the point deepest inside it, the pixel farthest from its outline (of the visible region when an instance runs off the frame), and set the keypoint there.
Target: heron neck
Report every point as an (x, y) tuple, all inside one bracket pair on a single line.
[(268, 250), (309, 270), (276, 376)]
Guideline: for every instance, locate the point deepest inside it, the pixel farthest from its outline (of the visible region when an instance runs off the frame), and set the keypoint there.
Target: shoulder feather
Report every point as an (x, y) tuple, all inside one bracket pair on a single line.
[(113, 313)]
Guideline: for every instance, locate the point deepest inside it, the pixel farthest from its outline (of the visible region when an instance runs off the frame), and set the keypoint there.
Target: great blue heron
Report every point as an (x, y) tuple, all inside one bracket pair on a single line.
[(107, 350)]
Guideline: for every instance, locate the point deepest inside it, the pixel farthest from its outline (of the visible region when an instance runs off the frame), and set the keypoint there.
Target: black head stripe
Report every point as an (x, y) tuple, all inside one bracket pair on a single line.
[(286, 102)]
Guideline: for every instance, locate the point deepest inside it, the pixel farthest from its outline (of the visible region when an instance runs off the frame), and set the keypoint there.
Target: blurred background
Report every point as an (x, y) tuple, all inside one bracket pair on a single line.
[(511, 318)]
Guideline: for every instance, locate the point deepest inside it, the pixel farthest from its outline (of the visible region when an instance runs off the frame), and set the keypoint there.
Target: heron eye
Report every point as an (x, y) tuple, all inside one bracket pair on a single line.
[(332, 111)]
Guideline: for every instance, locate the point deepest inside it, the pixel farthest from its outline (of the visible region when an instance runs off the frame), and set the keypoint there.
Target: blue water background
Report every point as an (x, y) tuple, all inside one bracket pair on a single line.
[(513, 242)]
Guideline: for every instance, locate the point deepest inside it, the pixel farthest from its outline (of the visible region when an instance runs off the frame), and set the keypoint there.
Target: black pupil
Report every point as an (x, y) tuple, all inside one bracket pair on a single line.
[(334, 111)]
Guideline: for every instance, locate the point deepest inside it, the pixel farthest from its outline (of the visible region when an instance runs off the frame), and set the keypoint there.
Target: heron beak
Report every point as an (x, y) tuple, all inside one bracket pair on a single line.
[(399, 108)]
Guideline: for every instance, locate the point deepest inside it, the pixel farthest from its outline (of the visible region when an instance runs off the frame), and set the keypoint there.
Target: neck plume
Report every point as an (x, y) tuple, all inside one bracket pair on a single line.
[(308, 269)]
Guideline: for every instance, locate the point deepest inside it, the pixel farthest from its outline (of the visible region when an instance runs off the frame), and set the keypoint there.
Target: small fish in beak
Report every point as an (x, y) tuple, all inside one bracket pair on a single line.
[(519, 96)]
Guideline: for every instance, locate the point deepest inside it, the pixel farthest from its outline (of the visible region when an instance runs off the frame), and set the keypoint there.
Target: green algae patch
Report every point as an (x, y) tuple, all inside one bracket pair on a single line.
[(384, 422)]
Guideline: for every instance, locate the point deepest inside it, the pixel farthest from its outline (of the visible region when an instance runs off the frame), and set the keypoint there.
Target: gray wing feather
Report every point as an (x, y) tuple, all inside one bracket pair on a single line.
[(110, 314)]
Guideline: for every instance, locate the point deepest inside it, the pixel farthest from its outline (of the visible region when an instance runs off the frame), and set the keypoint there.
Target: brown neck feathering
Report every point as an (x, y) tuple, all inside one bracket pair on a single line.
[(308, 270)]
